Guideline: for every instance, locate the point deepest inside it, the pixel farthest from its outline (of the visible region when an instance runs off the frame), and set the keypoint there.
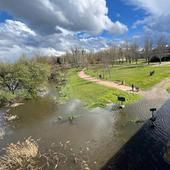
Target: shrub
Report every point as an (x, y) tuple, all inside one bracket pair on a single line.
[(5, 97)]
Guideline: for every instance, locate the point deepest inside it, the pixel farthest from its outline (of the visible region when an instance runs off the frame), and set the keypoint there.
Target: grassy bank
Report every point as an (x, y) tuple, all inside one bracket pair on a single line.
[(92, 94), (133, 74), (168, 89)]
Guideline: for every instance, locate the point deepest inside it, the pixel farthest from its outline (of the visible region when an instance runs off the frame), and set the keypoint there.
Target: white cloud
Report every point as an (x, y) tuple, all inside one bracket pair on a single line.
[(155, 7), (157, 21), (52, 26), (15, 29), (14, 37), (74, 15), (17, 38)]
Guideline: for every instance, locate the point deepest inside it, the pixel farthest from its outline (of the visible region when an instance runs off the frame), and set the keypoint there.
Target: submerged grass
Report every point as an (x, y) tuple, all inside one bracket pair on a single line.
[(92, 94), (26, 155), (137, 74), (20, 155)]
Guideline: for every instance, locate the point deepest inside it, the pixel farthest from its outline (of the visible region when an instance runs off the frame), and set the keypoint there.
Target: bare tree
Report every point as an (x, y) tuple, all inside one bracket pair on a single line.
[(148, 48), (161, 45), (134, 51)]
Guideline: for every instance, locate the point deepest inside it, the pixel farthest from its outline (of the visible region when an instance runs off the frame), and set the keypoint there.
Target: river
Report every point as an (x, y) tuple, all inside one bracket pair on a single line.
[(148, 149), (99, 132)]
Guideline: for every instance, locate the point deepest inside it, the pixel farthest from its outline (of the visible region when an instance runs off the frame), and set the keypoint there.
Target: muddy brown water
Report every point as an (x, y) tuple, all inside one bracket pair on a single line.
[(102, 131), (148, 149)]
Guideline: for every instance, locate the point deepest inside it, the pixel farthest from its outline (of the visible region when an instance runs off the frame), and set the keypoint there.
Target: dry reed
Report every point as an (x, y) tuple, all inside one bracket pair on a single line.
[(26, 156)]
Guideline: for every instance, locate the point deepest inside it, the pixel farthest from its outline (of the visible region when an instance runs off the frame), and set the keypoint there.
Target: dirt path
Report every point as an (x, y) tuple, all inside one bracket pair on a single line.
[(106, 83), (157, 91)]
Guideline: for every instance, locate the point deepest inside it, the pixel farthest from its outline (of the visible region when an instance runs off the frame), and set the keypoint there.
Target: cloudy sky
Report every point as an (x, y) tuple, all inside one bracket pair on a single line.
[(52, 27)]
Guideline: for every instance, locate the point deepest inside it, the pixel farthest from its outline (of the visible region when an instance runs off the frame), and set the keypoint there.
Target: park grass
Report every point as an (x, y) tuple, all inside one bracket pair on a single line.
[(93, 95), (137, 74), (168, 89)]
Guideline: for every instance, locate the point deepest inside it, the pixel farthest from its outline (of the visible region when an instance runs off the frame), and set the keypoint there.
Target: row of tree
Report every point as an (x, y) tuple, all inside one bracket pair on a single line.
[(24, 79), (126, 52)]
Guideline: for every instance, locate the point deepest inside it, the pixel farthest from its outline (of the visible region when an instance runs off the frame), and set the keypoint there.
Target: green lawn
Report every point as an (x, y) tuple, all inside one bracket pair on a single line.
[(134, 74), (168, 89), (92, 94)]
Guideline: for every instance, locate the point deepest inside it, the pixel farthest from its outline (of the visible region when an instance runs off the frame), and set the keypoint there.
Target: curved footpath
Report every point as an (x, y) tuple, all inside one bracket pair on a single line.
[(157, 91), (106, 83)]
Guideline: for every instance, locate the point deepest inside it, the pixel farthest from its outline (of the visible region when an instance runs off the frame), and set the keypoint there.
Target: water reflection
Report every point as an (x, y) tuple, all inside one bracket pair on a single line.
[(148, 149), (103, 131)]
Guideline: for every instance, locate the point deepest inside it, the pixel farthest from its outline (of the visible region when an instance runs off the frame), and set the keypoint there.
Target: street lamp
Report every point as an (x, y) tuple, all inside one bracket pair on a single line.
[(153, 118), (122, 100)]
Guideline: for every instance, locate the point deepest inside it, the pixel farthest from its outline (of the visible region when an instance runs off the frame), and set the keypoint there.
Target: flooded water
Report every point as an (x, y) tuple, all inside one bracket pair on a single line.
[(101, 132), (148, 149)]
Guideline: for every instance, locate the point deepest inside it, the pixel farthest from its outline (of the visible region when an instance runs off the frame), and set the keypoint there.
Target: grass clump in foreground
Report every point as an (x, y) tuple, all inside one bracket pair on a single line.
[(92, 94), (26, 155), (20, 155), (137, 74)]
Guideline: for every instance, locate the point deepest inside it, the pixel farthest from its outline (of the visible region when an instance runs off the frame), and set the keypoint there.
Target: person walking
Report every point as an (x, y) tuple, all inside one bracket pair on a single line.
[(133, 87)]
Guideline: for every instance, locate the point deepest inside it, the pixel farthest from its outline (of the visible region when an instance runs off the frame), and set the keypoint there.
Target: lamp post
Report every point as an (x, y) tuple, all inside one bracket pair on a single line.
[(122, 100), (153, 118)]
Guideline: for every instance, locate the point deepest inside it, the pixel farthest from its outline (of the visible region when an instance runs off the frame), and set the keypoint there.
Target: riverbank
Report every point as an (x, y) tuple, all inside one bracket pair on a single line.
[(168, 89), (92, 94)]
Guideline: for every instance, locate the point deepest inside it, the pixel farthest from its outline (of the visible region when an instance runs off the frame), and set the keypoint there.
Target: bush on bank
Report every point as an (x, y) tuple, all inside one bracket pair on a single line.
[(22, 80)]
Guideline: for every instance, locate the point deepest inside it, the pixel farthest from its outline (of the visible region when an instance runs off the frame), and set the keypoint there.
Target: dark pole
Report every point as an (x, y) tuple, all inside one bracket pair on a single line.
[(153, 118)]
